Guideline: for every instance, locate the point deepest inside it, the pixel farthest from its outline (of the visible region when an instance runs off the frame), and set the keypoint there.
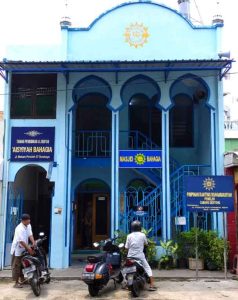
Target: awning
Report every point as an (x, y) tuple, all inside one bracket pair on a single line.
[(221, 65)]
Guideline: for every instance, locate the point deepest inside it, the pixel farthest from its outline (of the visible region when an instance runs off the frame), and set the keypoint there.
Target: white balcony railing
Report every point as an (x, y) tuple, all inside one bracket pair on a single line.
[(231, 125)]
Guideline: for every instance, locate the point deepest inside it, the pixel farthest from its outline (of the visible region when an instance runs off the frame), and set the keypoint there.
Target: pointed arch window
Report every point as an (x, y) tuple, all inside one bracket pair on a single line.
[(181, 122), (145, 117)]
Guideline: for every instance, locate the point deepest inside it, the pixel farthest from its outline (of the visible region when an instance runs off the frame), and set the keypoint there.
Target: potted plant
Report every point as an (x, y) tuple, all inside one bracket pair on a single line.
[(150, 249), (210, 248), (187, 247), (166, 261), (215, 255)]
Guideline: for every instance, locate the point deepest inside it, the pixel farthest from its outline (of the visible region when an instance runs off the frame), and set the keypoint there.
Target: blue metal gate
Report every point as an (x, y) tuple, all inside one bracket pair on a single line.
[(14, 212), (149, 197)]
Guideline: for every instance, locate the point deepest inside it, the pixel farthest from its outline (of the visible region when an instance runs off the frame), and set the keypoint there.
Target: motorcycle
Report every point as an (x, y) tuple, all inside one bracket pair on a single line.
[(134, 276), (35, 268), (100, 269)]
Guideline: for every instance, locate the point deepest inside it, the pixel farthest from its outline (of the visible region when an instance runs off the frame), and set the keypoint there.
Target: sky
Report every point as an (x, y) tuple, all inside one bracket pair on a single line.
[(37, 21)]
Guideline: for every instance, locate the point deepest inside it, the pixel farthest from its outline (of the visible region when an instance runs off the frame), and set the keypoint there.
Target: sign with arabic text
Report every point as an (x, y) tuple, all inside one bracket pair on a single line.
[(32, 144), (140, 159), (209, 193)]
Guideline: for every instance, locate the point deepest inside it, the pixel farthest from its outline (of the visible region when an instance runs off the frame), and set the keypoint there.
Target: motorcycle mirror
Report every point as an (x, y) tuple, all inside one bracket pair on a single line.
[(96, 244), (121, 245), (41, 234)]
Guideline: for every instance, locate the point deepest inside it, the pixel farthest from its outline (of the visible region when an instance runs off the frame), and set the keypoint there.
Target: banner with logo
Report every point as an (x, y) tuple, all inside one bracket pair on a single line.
[(209, 193), (33, 144), (140, 211), (140, 159)]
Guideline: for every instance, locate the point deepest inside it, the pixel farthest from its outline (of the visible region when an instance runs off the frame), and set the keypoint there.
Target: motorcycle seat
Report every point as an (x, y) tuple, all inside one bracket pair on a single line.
[(134, 258), (95, 259)]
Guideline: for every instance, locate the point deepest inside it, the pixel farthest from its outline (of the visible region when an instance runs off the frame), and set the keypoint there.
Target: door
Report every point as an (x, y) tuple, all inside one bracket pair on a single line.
[(14, 212), (100, 224)]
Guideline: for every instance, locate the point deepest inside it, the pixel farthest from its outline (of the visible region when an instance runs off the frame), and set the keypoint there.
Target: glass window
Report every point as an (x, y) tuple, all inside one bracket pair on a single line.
[(101, 215), (34, 96), (22, 107)]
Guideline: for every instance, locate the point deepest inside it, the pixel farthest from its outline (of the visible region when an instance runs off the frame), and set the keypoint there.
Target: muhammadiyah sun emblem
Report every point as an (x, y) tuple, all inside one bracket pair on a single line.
[(140, 159), (209, 184), (136, 35)]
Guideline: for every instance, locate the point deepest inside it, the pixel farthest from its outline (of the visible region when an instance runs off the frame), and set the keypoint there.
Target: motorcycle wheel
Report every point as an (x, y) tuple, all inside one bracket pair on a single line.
[(48, 280), (135, 290), (119, 278), (35, 284), (93, 291)]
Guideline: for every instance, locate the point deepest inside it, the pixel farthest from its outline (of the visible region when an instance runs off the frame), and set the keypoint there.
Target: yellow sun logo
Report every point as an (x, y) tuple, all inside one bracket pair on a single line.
[(140, 159), (136, 35), (209, 184)]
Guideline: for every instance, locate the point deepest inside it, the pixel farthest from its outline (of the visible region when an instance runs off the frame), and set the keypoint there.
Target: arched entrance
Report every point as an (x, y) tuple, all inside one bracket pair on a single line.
[(36, 191), (92, 213)]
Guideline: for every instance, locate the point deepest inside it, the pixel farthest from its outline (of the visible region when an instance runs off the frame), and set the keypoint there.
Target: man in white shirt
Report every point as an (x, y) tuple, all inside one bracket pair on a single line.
[(135, 243), (23, 233)]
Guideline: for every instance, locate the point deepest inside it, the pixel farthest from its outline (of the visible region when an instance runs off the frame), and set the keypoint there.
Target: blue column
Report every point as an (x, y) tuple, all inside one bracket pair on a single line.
[(166, 205), (213, 158), (68, 216), (59, 256), (115, 173), (219, 145), (6, 162)]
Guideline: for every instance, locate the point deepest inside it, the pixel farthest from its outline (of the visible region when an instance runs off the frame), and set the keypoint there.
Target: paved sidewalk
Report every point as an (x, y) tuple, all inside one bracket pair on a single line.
[(74, 273)]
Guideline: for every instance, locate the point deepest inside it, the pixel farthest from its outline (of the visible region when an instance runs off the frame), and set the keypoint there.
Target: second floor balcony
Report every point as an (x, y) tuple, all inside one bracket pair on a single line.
[(98, 143)]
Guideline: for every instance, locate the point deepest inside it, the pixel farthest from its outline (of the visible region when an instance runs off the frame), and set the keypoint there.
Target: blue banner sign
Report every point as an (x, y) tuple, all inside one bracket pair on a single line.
[(32, 144), (209, 193), (141, 211), (140, 159)]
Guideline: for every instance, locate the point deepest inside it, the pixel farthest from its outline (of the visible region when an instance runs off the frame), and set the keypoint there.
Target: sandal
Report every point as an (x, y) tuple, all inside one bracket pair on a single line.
[(18, 285), (22, 281), (152, 289)]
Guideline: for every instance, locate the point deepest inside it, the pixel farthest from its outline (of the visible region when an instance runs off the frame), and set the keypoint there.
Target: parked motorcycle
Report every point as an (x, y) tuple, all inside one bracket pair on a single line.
[(134, 276), (100, 269), (35, 268)]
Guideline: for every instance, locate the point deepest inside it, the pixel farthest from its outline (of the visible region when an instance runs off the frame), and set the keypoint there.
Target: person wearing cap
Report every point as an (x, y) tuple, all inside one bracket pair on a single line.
[(22, 235)]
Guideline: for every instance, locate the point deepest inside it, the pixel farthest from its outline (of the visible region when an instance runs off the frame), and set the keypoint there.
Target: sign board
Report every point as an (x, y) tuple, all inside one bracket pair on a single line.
[(180, 220), (32, 144), (140, 159), (140, 211), (209, 193)]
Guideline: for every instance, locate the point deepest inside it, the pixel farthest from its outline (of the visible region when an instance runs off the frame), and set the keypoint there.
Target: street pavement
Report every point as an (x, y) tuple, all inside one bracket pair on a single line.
[(75, 272), (169, 289)]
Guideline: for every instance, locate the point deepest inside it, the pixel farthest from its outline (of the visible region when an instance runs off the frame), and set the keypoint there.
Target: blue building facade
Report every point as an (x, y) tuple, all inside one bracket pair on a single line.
[(141, 77)]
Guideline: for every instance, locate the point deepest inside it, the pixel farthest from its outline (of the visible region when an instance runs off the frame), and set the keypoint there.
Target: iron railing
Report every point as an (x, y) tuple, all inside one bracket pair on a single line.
[(92, 143)]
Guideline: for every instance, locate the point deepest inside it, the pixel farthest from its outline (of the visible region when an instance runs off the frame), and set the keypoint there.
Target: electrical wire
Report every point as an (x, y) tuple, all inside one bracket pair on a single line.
[(200, 16)]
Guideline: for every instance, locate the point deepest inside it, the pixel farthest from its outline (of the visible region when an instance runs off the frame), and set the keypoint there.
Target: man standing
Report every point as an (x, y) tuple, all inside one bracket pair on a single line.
[(20, 242)]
